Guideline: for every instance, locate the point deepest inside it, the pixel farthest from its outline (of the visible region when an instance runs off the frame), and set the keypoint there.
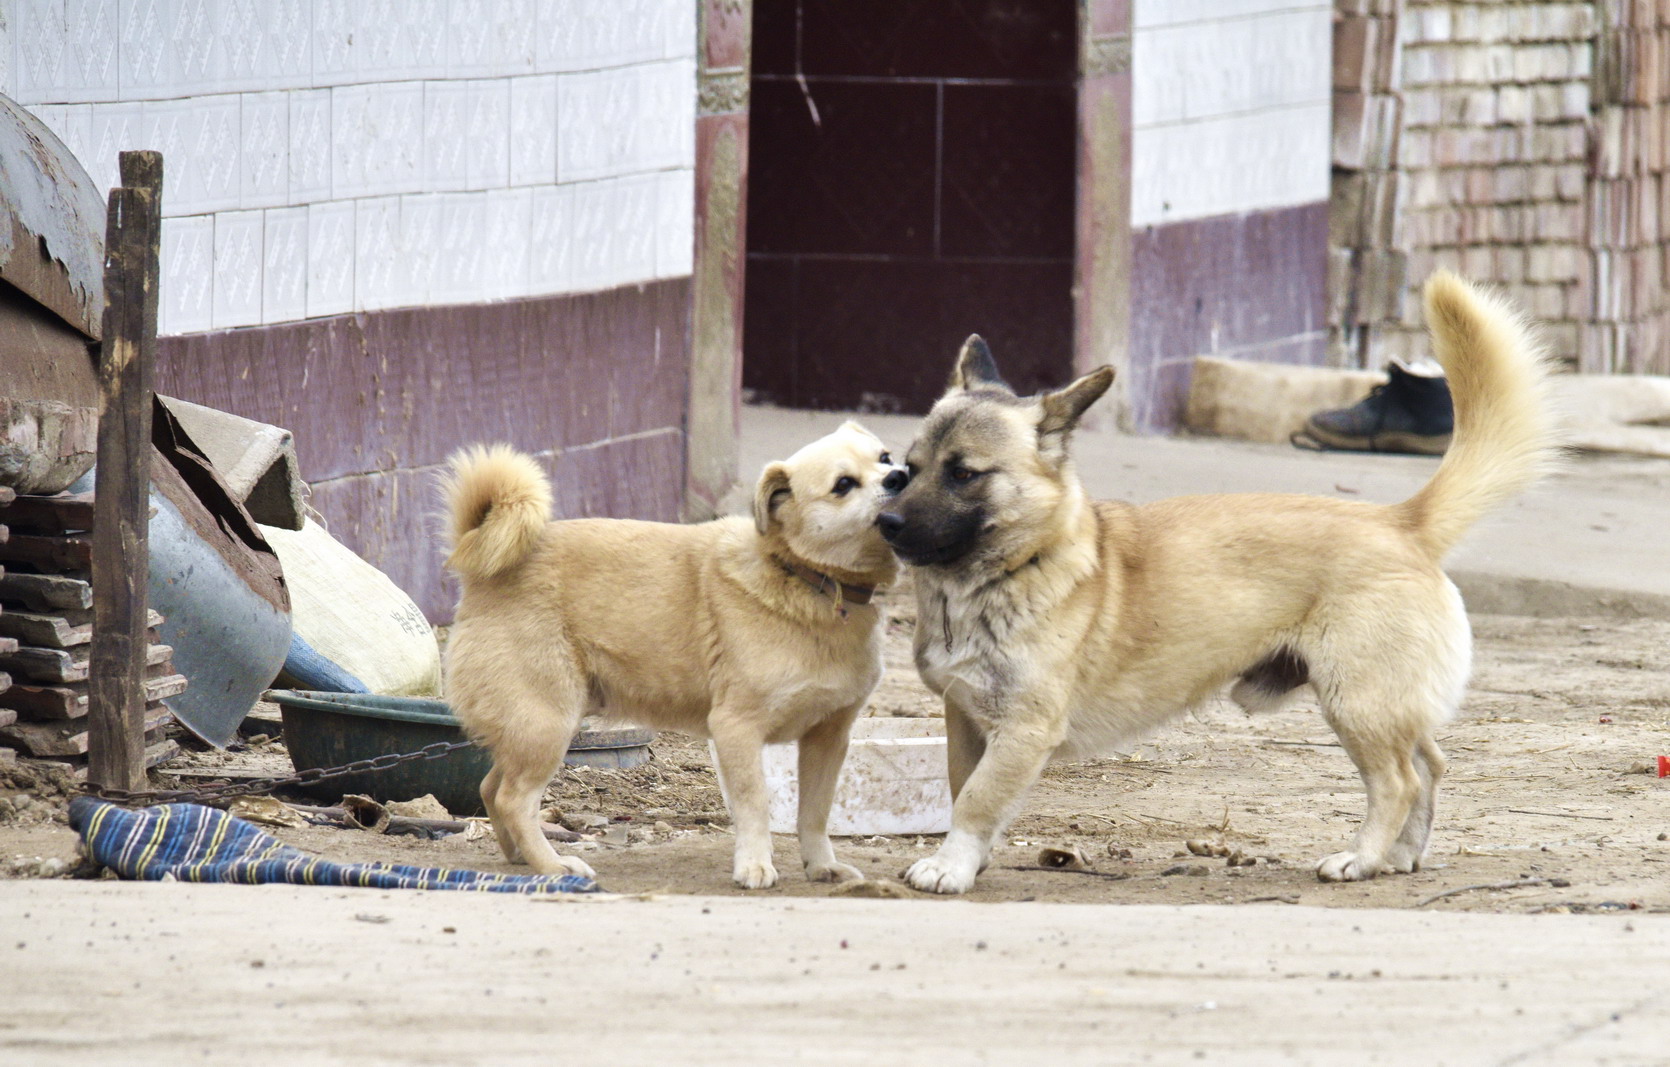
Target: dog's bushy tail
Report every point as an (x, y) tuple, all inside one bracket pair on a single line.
[(499, 502), (1505, 427)]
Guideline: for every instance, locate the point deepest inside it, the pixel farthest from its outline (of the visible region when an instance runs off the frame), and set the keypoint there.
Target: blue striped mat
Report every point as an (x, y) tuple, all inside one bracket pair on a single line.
[(198, 844)]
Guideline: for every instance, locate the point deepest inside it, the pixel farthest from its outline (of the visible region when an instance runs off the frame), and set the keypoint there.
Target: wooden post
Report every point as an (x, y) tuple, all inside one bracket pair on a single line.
[(121, 488)]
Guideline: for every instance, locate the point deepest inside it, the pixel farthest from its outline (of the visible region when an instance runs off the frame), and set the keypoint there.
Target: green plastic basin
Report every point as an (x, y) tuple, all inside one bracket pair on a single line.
[(331, 729)]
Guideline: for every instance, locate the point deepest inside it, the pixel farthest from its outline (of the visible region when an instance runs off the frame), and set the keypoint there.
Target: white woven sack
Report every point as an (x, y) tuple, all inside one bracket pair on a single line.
[(353, 615)]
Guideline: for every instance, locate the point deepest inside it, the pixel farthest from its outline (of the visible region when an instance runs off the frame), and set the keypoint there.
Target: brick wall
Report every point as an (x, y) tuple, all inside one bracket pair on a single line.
[(1493, 154), (1628, 192), (1366, 269), (1521, 142)]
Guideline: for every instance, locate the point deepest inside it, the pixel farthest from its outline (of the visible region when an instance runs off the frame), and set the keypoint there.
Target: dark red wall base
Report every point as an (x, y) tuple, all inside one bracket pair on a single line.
[(1250, 286), (595, 383)]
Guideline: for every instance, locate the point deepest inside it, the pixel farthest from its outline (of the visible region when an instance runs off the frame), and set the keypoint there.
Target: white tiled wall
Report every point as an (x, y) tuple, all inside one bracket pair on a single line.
[(1230, 105), (326, 156)]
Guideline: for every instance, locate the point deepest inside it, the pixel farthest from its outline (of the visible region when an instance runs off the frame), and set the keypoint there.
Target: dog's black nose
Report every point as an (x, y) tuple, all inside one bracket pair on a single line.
[(890, 524), (895, 481)]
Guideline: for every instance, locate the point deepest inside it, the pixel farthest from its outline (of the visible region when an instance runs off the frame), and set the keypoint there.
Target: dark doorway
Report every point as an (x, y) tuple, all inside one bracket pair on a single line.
[(910, 181)]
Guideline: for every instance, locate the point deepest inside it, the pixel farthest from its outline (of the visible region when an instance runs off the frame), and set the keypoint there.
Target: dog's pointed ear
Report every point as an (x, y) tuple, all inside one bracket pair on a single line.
[(1064, 407), (772, 491), (976, 367)]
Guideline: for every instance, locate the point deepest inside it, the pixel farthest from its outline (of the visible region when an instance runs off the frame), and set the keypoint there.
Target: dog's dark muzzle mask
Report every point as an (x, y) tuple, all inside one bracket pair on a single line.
[(923, 531)]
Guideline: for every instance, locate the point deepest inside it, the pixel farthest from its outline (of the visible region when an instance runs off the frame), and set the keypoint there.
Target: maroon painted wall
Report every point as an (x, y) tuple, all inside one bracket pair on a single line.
[(595, 383), (1250, 286)]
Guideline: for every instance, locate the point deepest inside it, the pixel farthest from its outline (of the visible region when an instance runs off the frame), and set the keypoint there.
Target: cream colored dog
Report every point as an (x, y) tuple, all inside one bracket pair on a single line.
[(745, 632), (1055, 627)]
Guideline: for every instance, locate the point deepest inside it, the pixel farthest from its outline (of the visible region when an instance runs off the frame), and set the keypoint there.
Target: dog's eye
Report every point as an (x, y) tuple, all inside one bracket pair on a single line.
[(960, 473), (845, 485), (886, 459)]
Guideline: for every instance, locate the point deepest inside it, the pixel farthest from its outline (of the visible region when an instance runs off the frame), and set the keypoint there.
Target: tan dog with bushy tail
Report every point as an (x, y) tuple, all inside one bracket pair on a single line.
[(1054, 626), (745, 631)]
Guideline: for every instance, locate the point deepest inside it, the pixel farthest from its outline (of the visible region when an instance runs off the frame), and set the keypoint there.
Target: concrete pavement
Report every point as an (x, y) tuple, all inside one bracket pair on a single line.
[(1592, 539), (107, 973)]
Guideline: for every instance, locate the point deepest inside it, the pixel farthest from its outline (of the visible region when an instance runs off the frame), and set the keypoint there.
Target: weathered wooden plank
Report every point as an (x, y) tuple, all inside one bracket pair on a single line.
[(62, 629), (161, 752), (69, 700), (121, 523), (169, 685), (44, 665), (67, 738), (58, 553), (62, 663), (46, 701), (64, 513), (46, 592), (47, 631), (66, 664)]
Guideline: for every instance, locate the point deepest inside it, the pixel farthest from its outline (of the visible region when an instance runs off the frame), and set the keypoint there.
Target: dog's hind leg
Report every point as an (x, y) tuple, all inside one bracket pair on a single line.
[(1410, 846), (823, 749), (524, 760), (1393, 786), (501, 830)]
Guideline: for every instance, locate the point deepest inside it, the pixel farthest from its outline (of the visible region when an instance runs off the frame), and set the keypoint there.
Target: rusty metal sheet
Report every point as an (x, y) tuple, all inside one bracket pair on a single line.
[(52, 231), (217, 583)]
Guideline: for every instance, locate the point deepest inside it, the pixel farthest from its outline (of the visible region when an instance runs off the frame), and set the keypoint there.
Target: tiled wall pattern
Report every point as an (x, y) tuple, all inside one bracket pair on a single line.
[(327, 156), (1230, 107)]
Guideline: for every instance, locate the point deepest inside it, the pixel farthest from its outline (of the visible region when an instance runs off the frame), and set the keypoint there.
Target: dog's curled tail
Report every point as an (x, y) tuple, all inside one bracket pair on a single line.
[(1505, 428), (498, 502)]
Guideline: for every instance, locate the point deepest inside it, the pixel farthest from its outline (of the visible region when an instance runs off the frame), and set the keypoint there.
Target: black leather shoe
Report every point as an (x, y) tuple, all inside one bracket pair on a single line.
[(1410, 413)]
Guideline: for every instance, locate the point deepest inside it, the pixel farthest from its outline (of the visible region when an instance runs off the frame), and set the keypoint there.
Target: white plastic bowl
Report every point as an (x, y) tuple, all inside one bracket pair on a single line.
[(893, 781)]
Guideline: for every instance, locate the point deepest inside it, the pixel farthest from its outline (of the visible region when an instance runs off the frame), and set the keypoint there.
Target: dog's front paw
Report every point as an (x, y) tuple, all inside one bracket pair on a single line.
[(1348, 867), (833, 871), (574, 865), (559, 865), (1403, 860), (755, 874), (935, 874)]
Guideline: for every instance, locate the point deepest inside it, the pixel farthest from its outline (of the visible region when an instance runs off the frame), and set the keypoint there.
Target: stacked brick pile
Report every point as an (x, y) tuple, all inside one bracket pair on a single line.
[(46, 634), (1366, 272), (1629, 191), (1494, 154)]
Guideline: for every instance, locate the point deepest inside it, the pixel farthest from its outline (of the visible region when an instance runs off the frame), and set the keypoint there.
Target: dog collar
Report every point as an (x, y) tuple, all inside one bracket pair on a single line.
[(843, 593)]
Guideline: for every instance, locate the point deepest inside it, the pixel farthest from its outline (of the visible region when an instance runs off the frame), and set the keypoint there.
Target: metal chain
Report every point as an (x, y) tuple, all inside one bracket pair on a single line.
[(257, 786)]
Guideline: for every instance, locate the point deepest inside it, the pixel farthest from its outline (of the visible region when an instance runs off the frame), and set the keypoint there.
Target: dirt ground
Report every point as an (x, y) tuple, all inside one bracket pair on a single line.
[(1551, 782)]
